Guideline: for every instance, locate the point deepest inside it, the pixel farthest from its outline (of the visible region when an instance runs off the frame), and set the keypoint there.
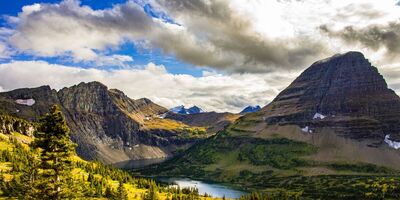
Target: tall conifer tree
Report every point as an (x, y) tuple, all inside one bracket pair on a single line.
[(56, 149)]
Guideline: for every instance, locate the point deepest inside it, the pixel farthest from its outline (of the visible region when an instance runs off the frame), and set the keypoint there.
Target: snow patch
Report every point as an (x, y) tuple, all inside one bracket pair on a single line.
[(318, 116), (393, 144), (162, 116), (306, 130), (27, 102)]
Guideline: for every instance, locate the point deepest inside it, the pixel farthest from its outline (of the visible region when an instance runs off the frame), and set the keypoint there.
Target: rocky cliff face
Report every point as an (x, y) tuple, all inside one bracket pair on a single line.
[(106, 124), (9, 125), (344, 92)]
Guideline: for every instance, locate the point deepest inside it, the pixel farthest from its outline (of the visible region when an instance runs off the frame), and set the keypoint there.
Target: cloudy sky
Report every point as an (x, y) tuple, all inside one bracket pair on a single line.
[(221, 55)]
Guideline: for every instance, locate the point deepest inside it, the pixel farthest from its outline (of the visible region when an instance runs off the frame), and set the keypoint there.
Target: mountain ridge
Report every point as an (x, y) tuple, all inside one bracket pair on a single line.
[(185, 111), (106, 124)]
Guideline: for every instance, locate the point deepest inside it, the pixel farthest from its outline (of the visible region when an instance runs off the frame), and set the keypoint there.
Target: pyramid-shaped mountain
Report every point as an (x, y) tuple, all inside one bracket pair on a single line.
[(345, 93)]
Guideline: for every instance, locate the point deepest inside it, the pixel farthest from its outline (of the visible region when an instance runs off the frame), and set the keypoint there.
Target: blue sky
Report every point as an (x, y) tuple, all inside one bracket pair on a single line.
[(140, 56)]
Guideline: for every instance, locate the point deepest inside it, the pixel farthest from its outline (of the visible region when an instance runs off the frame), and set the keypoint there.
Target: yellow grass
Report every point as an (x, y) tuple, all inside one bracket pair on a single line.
[(22, 138), (134, 193), (5, 167), (5, 145), (169, 124)]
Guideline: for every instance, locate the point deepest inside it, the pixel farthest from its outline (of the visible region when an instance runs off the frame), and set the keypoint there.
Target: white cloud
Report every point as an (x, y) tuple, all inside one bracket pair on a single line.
[(67, 29), (5, 50), (113, 60), (232, 35), (212, 92)]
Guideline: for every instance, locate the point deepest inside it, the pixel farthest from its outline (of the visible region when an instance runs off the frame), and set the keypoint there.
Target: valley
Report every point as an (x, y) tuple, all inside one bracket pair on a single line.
[(290, 146), (330, 135)]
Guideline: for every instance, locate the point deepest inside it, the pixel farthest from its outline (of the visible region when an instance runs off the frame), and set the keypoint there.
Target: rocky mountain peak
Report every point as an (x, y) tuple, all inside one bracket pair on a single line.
[(351, 56), (88, 97), (343, 87)]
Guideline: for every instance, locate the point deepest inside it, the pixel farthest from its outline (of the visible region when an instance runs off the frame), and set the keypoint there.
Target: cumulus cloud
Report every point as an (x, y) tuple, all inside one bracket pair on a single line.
[(213, 92), (217, 34), (375, 37), (231, 35), (5, 50)]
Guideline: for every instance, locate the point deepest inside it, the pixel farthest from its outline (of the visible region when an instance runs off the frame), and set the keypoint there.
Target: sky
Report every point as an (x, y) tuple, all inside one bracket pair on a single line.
[(220, 55)]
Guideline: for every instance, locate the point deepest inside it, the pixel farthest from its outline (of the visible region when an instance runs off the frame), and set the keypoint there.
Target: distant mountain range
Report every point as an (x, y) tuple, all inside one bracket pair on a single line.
[(250, 109), (184, 111), (194, 110)]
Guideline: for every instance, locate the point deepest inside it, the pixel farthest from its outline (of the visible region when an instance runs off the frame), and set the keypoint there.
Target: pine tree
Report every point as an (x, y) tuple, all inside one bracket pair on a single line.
[(152, 193), (56, 148), (122, 194), (110, 194)]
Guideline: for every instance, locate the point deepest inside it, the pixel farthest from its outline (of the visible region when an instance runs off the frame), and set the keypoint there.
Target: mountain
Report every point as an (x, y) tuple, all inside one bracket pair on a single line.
[(250, 109), (183, 110), (105, 123), (213, 121), (344, 93), (334, 128), (194, 110)]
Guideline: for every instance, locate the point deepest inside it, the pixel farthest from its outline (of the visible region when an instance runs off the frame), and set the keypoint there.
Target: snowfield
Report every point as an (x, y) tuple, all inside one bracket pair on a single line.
[(318, 116), (393, 144), (27, 102)]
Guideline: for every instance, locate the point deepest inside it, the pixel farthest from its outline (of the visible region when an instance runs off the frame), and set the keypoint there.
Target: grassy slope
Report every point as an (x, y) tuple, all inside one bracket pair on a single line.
[(238, 157), (134, 191)]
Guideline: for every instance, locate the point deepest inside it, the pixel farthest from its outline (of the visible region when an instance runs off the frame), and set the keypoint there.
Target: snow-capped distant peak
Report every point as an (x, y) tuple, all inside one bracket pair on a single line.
[(179, 109), (250, 109), (194, 110), (183, 110)]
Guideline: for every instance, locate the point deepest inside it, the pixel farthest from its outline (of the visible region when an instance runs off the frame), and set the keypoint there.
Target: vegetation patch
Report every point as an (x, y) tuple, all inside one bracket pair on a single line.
[(361, 168), (280, 153)]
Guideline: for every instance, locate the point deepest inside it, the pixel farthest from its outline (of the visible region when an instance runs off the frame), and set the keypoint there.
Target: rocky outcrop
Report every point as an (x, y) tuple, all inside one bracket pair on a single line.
[(106, 124), (10, 125), (348, 92), (43, 97)]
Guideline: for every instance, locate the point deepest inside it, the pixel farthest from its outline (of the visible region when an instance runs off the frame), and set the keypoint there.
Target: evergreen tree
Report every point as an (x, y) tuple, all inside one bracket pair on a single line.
[(56, 149), (110, 194), (122, 193), (152, 193)]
